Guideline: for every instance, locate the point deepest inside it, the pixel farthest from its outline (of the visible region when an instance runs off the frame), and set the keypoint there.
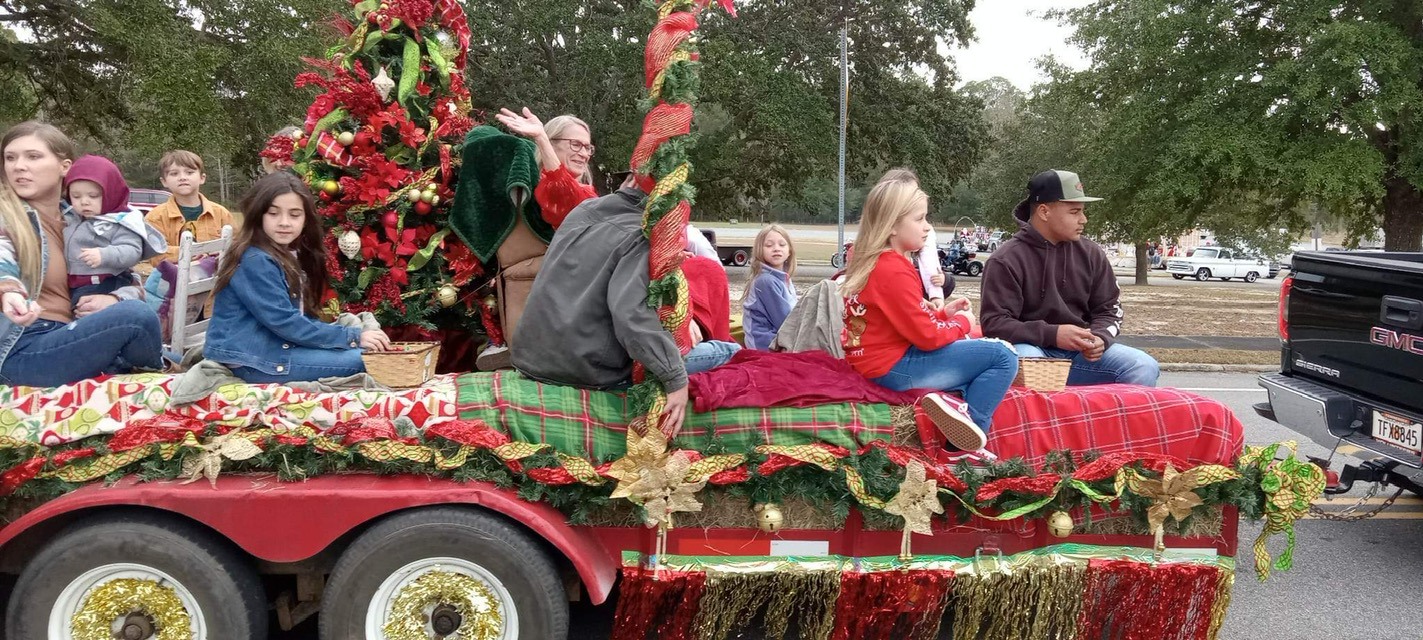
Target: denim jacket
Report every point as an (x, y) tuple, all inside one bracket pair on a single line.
[(10, 272), (256, 321)]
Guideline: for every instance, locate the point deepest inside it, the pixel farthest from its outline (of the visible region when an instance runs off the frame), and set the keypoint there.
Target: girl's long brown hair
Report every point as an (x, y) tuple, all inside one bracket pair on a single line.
[(306, 270)]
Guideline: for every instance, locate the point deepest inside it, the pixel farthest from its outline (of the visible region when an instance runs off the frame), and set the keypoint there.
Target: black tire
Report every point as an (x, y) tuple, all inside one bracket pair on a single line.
[(1203, 274), (1178, 276), (739, 258), (223, 583), (496, 546), (975, 269), (1252, 276), (838, 260)]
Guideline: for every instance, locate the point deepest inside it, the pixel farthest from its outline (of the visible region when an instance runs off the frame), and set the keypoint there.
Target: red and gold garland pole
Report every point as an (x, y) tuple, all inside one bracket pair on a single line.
[(661, 162)]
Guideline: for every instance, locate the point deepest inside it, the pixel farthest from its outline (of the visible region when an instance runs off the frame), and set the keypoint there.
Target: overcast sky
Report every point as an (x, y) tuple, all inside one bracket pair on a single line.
[(1011, 35)]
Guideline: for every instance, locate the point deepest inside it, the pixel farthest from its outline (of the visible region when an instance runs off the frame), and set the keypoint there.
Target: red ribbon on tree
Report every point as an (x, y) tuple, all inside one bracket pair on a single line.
[(663, 41), (663, 122)]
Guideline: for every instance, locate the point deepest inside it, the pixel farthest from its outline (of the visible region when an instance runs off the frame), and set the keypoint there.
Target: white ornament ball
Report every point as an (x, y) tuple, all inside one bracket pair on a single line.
[(346, 138), (350, 244)]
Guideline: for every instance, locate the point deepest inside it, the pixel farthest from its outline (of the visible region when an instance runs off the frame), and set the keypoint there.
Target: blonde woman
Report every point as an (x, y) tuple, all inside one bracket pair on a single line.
[(564, 147), (43, 340), (769, 295), (895, 338)]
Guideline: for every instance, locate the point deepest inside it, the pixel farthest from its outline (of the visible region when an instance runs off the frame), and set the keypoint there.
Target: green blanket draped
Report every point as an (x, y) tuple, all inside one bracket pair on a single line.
[(496, 187)]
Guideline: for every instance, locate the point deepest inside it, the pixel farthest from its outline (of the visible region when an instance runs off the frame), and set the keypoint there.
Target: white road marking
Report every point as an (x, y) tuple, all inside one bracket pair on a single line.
[(1242, 390)]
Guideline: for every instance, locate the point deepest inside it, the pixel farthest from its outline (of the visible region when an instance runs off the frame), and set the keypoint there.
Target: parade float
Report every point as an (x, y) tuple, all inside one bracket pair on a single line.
[(477, 505)]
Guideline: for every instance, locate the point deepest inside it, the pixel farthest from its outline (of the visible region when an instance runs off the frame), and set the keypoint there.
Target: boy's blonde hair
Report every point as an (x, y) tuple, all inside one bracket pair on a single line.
[(758, 259), (180, 158), (889, 201), (555, 128)]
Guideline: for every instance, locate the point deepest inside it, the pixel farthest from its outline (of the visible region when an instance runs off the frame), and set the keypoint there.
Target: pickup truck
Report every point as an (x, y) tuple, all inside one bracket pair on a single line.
[(1351, 361), (1205, 263)]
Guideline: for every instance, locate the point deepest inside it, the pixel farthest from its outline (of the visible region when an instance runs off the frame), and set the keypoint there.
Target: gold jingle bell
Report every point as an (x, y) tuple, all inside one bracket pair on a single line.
[(769, 517), (447, 295), (1060, 524)]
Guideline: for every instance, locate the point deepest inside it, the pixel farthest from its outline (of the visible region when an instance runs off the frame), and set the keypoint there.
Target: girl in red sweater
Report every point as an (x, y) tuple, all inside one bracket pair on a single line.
[(894, 337), (563, 147)]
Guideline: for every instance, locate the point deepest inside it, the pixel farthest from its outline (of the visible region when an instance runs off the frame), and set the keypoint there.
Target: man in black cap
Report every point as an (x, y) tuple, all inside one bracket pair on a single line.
[(1052, 293)]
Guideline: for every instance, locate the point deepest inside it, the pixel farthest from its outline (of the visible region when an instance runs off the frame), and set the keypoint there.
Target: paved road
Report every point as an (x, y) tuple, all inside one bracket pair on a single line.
[(1351, 581)]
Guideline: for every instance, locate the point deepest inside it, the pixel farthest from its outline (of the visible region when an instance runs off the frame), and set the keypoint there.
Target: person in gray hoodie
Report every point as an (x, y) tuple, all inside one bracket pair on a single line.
[(1052, 293), (587, 318)]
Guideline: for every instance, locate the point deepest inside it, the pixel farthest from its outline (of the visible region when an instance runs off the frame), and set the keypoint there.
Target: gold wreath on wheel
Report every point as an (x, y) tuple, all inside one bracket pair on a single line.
[(121, 598), (470, 601)]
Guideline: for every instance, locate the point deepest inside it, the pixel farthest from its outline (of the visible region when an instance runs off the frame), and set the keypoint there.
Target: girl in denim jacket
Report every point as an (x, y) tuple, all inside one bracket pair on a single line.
[(263, 323)]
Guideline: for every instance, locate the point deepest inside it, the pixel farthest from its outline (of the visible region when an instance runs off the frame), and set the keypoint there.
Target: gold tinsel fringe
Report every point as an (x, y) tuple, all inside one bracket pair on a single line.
[(1036, 602), (732, 601), (1221, 604)]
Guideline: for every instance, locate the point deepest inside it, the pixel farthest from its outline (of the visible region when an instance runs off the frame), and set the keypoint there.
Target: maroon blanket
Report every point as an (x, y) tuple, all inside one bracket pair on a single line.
[(771, 379)]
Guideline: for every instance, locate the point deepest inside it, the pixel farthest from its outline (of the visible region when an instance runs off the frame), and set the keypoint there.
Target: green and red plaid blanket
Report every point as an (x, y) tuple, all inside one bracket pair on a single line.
[(593, 424)]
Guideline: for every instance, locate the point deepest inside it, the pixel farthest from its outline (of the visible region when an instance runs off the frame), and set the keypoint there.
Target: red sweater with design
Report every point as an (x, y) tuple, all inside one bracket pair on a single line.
[(559, 191), (890, 315)]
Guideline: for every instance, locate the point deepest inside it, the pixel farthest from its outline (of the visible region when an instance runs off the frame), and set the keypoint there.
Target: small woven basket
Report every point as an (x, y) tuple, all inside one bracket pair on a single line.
[(407, 364), (1043, 374)]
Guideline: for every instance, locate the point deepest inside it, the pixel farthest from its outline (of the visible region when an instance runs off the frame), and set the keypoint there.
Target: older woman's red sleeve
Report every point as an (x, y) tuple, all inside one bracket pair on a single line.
[(559, 191)]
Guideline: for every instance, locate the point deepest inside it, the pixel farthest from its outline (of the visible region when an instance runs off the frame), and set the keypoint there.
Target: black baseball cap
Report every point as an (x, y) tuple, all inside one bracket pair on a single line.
[(1052, 186)]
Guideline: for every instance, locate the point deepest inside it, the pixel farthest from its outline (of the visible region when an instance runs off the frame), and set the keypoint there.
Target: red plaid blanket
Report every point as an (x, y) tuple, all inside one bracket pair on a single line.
[(1112, 418)]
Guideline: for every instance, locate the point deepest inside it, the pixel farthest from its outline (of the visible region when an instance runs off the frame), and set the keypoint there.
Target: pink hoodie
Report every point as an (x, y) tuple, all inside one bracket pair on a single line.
[(105, 173)]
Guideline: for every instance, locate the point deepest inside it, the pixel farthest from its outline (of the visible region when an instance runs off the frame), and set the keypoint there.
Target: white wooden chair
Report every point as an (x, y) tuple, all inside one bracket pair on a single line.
[(186, 335)]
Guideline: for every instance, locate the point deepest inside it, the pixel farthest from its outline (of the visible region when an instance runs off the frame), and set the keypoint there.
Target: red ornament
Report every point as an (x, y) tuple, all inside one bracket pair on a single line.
[(325, 197), (391, 219), (423, 208)]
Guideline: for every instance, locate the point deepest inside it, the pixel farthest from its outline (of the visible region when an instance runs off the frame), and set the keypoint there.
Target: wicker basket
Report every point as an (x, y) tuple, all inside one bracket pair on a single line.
[(407, 364), (1043, 374)]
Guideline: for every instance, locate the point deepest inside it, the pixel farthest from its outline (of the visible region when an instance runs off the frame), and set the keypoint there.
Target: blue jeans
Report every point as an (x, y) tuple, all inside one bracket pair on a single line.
[(122, 337), (981, 369), (1119, 364), (709, 355), (308, 365)]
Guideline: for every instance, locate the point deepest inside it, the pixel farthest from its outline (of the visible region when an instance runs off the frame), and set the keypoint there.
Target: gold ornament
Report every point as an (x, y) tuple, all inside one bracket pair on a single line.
[(490, 302), (350, 244), (1060, 524), (331, 187), (769, 517), (650, 476), (116, 599), (414, 195), (383, 84), (207, 462), (478, 610), (346, 138), (447, 295), (916, 502)]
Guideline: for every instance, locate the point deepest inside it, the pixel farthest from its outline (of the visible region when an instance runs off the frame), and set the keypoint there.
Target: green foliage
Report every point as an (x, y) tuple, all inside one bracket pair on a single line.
[(766, 124), (141, 77)]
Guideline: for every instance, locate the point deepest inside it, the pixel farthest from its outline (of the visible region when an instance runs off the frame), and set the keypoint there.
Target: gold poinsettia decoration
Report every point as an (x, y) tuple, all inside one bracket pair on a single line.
[(650, 476), (207, 461), (1173, 494), (916, 502)]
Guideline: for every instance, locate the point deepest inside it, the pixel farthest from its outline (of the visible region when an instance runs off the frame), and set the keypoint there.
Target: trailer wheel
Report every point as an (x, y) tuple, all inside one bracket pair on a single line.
[(444, 572), (739, 258), (137, 576)]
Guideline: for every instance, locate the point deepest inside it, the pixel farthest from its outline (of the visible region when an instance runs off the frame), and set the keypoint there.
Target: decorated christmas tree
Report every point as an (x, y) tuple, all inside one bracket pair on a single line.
[(380, 148)]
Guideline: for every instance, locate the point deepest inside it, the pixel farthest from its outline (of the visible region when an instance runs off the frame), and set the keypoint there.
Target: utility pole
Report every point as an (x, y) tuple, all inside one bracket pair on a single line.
[(844, 114)]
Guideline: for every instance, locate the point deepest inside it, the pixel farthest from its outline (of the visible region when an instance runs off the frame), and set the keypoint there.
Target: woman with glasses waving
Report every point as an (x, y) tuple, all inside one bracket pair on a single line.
[(563, 147)]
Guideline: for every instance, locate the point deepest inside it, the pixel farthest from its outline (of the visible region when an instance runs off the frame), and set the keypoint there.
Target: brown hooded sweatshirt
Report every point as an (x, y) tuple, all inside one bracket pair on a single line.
[(1030, 286)]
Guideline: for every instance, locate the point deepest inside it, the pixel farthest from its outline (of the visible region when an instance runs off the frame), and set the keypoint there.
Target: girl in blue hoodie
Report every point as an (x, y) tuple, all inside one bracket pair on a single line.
[(769, 294)]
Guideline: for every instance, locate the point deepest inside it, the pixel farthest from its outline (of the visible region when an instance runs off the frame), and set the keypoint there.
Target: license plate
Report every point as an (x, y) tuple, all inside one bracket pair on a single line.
[(1398, 431)]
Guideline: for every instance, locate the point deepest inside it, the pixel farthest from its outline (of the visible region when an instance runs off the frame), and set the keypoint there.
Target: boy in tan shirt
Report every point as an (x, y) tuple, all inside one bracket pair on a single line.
[(182, 173)]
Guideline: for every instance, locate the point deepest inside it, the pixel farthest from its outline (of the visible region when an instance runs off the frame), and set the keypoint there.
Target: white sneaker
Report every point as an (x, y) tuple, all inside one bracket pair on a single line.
[(951, 417), (982, 456)]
